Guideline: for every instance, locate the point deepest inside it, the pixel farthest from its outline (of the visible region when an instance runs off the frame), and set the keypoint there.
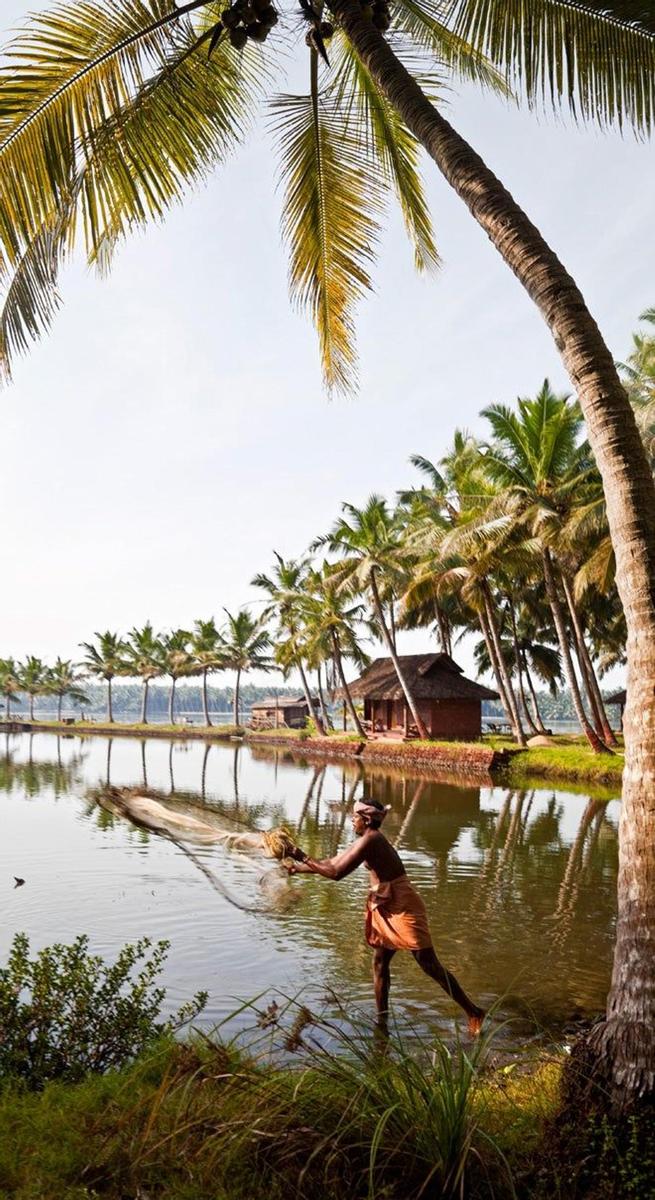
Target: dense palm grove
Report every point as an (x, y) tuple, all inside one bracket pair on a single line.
[(505, 538)]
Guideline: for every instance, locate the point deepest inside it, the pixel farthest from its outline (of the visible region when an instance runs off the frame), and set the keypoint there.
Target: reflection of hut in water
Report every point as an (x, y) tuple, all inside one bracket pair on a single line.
[(278, 712), (429, 815), (618, 699), (448, 702)]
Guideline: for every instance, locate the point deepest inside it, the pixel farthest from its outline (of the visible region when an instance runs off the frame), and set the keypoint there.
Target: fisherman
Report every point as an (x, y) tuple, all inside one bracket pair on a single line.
[(396, 918)]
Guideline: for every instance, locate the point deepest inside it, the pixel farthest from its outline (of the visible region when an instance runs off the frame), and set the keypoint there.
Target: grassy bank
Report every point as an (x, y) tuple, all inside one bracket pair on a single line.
[(133, 729), (206, 1123), (569, 759)]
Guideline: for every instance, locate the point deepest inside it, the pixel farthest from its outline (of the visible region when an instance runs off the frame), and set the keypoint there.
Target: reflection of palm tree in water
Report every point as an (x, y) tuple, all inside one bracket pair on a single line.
[(203, 773), (317, 773), (411, 811), (235, 774), (110, 742), (569, 889), (346, 805), (144, 771)]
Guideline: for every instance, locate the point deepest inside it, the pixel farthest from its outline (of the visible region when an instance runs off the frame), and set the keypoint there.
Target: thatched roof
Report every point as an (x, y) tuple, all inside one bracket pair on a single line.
[(617, 697), (429, 676), (282, 702)]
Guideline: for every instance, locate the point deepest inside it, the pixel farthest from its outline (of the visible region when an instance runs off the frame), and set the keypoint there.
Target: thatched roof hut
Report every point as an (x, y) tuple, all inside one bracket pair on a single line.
[(449, 703)]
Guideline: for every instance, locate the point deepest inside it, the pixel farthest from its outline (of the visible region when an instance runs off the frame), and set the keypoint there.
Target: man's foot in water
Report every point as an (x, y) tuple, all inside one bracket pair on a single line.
[(475, 1022)]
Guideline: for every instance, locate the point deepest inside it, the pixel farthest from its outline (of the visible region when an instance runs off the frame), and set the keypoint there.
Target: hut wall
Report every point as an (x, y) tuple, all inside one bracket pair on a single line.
[(457, 719)]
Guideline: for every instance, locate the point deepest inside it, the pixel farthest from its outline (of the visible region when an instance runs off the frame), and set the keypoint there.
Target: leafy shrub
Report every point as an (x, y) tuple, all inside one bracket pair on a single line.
[(66, 1012)]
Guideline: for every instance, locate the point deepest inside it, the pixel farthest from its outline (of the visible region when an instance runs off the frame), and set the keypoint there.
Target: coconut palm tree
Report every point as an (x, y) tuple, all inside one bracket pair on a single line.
[(113, 109), (333, 625), (286, 586), (207, 651), (535, 456), (64, 679), (247, 648), (144, 658), (373, 559), (9, 683), (33, 675), (452, 561), (177, 661), (106, 660)]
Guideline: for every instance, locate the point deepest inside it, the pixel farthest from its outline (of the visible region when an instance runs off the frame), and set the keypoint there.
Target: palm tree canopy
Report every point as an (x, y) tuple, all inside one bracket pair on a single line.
[(111, 110), (107, 658), (176, 657), (64, 679), (208, 645), (144, 652), (32, 674), (247, 642)]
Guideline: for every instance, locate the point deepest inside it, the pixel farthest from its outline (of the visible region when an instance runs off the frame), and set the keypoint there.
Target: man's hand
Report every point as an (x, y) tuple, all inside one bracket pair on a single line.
[(297, 854)]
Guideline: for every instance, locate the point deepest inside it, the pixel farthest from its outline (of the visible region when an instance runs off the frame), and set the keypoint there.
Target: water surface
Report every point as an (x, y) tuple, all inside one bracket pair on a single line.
[(519, 885)]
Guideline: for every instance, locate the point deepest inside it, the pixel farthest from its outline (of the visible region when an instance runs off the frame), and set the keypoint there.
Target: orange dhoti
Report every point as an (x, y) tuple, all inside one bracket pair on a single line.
[(396, 917)]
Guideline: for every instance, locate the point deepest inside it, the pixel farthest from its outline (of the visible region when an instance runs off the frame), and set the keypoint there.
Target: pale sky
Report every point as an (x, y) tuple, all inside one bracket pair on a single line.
[(172, 430)]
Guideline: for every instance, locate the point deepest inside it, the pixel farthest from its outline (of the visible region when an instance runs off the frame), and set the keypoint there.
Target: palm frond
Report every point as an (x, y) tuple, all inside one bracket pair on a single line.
[(423, 21), (394, 148), (596, 56), (332, 205), (105, 123)]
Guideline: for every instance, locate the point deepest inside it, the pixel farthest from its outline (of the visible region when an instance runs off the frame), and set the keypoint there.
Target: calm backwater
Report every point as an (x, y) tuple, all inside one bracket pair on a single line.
[(519, 885)]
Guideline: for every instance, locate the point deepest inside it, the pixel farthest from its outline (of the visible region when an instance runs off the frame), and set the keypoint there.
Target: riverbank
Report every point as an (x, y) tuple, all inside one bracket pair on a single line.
[(203, 1121), (495, 758)]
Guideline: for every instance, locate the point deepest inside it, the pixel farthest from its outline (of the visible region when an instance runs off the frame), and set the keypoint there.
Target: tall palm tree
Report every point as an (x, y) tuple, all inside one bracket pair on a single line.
[(9, 683), (286, 585), (33, 675), (441, 525), (207, 648), (144, 658), (64, 679), (536, 458), (247, 648), (106, 658), (113, 110), (373, 558), (334, 626), (177, 662)]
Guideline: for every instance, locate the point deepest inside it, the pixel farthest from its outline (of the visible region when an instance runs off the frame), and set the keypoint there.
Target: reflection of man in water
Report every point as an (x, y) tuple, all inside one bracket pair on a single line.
[(396, 918)]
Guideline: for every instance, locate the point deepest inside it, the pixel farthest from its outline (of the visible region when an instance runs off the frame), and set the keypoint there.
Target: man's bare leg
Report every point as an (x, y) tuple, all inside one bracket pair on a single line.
[(381, 982), (428, 962)]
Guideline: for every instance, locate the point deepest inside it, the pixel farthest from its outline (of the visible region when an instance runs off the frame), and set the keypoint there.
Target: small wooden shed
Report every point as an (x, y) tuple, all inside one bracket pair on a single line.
[(618, 698), (278, 712), (449, 703)]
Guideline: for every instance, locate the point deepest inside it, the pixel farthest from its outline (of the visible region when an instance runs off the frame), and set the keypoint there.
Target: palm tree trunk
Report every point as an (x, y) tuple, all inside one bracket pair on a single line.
[(7, 706), (392, 624), (587, 667), (491, 651), (324, 712), (59, 704), (205, 699), (503, 671), (144, 702), (110, 707), (569, 670), (625, 1043), (411, 703), (31, 706), (313, 711), (171, 702), (518, 662), (444, 632), (346, 690), (237, 710), (535, 703)]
